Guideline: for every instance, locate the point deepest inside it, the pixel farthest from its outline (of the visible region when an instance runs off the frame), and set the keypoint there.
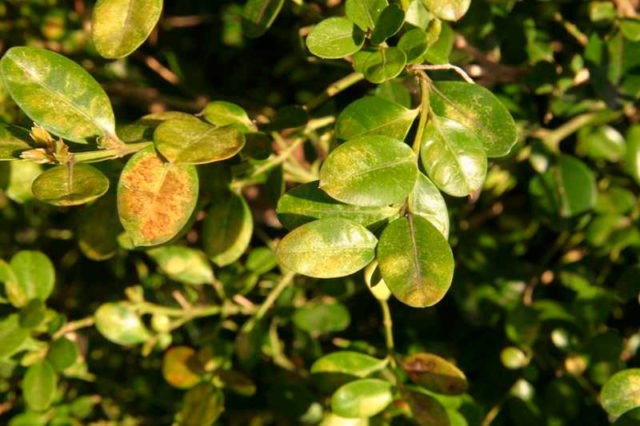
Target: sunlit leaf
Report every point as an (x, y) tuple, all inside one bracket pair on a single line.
[(34, 275), (118, 27), (12, 336), (13, 140), (369, 171), (155, 199), (448, 10), (414, 44), (346, 362), (70, 185), (327, 248), (415, 261), (335, 38), (373, 115), (57, 94), (621, 393), (426, 201), (362, 398), (118, 323), (221, 113), (435, 373), (384, 64), (183, 264)]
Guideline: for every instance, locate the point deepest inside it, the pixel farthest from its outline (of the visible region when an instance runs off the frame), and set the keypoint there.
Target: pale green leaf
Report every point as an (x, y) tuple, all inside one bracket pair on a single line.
[(621, 393), (183, 264), (373, 115), (335, 38), (118, 323), (70, 185), (362, 398), (39, 386), (364, 13), (227, 229)]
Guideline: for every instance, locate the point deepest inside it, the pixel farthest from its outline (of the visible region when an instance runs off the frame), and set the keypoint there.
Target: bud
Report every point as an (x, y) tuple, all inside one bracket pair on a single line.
[(37, 155), (41, 136)]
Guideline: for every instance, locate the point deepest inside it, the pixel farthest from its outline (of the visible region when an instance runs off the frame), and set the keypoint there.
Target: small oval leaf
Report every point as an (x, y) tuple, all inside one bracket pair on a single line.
[(327, 248), (183, 264), (39, 386), (12, 336), (118, 27), (370, 171), (221, 113), (178, 367), (621, 393), (57, 93), (362, 398), (448, 10), (388, 23), (426, 201), (63, 353), (364, 13), (155, 199), (322, 317), (335, 38), (384, 64), (373, 115), (70, 185), (196, 142), (346, 362), (34, 274), (415, 261), (435, 373), (118, 323)]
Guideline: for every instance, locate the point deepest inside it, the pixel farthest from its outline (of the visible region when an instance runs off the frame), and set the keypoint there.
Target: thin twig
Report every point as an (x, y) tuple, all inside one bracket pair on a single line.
[(444, 67)]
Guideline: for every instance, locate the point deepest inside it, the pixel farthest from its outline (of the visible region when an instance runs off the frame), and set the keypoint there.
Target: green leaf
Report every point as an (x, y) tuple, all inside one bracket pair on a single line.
[(388, 23), (57, 94), (364, 13), (621, 393), (373, 115), (21, 177), (362, 398), (221, 113), (258, 16), (13, 140), (347, 362), (417, 14), (98, 228), (426, 201), (415, 261), (178, 366), (201, 406), (183, 264), (428, 411), (327, 248), (261, 260), (440, 50), (155, 199), (32, 314), (375, 283), (227, 229), (39, 386), (384, 64), (70, 185), (196, 142), (118, 323), (601, 143), (632, 157), (34, 274), (435, 374), (63, 353), (478, 110), (414, 43), (237, 382), (12, 336), (630, 28), (335, 38), (307, 202), (322, 317), (566, 189), (118, 27), (394, 91), (453, 157), (369, 171), (448, 10)]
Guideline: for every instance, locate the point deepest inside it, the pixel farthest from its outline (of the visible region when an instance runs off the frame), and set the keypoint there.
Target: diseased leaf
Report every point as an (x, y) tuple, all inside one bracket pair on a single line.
[(621, 393), (335, 38), (369, 171), (415, 261), (118, 323), (347, 362), (183, 264), (258, 16), (118, 27), (364, 13), (426, 201), (327, 248), (320, 318), (373, 115), (435, 374), (57, 94), (155, 199), (448, 10), (307, 202), (70, 185), (227, 229), (477, 109), (428, 411), (362, 398), (196, 142), (384, 64), (178, 365), (221, 113), (39, 386), (13, 140), (453, 157)]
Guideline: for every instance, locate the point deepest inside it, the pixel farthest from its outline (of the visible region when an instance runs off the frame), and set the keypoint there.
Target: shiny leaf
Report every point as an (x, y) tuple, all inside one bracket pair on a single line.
[(196, 142), (34, 274), (13, 140), (335, 38), (478, 110), (426, 201), (415, 261), (414, 44), (70, 185), (118, 27), (453, 157), (57, 94), (258, 16), (362, 398), (384, 64), (364, 13), (372, 115), (307, 202), (227, 229), (183, 264), (346, 362), (118, 323), (221, 113), (388, 23), (621, 393), (369, 171), (327, 248), (155, 199), (448, 10)]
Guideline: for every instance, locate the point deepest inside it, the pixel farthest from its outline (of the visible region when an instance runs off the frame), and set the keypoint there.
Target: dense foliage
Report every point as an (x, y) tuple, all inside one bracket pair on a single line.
[(319, 212)]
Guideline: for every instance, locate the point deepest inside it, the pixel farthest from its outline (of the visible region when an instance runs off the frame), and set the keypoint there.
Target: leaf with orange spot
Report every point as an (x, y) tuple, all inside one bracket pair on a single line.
[(155, 199), (435, 373)]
